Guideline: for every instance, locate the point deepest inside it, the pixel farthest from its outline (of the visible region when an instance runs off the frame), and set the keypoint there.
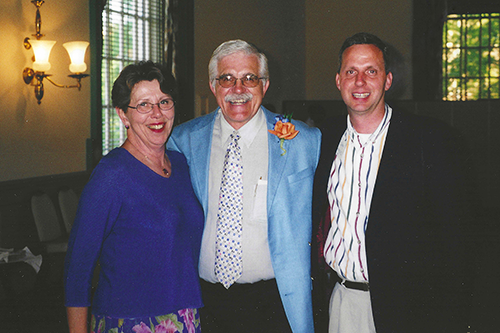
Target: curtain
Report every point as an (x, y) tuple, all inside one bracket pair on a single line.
[(429, 16)]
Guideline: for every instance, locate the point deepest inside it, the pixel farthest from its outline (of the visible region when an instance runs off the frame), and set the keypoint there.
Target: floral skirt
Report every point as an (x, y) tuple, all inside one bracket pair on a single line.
[(185, 321)]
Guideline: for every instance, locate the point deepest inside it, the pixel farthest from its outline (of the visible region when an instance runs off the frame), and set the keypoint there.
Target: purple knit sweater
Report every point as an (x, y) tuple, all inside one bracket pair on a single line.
[(145, 230)]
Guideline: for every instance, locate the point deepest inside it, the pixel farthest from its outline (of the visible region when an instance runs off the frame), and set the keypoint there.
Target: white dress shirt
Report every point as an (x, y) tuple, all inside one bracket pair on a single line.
[(254, 151), (350, 189)]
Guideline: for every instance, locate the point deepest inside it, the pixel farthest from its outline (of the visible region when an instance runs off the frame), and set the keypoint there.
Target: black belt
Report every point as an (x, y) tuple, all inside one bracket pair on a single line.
[(239, 287), (364, 286)]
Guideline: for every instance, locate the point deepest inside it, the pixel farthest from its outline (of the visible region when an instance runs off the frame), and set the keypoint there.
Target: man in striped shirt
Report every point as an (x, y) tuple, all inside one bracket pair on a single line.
[(393, 188)]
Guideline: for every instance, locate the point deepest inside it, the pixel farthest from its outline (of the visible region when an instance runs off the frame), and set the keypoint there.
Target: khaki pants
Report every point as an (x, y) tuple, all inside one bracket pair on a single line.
[(350, 311)]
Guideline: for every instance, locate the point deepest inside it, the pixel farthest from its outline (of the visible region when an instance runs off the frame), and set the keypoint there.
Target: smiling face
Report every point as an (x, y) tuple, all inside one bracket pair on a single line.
[(362, 80), (239, 103), (148, 131)]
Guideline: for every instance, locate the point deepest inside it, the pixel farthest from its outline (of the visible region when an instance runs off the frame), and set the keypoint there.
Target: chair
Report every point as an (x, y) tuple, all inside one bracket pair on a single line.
[(47, 224), (16, 278), (68, 201)]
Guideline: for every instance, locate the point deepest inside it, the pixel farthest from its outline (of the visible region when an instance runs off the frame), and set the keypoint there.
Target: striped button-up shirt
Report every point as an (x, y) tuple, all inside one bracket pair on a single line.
[(350, 189)]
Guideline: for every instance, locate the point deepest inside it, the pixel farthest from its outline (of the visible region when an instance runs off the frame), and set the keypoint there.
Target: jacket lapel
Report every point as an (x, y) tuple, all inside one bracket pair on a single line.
[(277, 163)]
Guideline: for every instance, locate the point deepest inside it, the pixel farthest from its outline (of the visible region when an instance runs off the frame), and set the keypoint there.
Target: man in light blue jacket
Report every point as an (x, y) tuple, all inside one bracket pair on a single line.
[(265, 285)]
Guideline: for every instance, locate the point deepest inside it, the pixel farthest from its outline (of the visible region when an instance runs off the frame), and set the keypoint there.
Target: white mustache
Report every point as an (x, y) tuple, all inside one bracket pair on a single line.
[(238, 98)]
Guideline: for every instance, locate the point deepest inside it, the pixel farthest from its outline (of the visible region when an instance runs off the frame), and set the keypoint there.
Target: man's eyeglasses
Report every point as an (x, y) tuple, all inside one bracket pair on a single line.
[(146, 107), (249, 80)]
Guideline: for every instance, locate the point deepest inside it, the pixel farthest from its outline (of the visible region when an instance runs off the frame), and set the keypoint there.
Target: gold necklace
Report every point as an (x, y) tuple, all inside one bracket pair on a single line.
[(165, 171)]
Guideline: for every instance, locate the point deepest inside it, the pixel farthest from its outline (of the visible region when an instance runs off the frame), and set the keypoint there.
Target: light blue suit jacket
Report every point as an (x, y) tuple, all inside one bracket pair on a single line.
[(289, 199)]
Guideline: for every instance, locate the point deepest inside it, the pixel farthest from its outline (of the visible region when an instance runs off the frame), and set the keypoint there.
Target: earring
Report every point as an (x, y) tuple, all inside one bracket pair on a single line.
[(127, 127)]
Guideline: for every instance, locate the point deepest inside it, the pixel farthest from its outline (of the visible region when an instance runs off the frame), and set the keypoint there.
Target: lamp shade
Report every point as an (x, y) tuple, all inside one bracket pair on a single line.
[(41, 49), (76, 51)]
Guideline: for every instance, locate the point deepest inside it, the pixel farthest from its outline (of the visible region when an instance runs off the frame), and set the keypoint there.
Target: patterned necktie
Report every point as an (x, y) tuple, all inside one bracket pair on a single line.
[(228, 265)]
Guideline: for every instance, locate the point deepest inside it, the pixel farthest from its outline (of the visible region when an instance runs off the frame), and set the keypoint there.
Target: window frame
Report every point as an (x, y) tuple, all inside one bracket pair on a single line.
[(183, 42), (470, 82), (428, 18), (132, 31)]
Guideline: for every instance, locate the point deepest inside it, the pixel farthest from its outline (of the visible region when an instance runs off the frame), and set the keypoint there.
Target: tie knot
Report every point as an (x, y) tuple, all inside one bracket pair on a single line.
[(235, 136)]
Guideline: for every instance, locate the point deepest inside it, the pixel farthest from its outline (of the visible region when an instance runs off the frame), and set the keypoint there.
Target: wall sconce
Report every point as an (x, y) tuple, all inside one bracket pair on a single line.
[(41, 64)]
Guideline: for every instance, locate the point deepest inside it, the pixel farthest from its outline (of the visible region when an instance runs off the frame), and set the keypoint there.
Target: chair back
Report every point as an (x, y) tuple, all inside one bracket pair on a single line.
[(68, 201), (45, 216)]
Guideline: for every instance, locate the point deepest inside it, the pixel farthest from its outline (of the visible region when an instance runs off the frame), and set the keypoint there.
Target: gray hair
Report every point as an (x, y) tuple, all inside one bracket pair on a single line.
[(236, 46)]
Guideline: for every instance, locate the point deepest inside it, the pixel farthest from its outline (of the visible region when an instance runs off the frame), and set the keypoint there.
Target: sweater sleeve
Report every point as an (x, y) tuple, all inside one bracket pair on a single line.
[(98, 208)]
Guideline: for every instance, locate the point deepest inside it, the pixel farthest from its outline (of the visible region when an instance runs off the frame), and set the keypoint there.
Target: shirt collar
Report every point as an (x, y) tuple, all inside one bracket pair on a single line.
[(381, 127), (248, 131)]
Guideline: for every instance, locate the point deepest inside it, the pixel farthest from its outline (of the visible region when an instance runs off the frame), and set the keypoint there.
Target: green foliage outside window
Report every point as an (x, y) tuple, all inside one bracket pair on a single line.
[(471, 57)]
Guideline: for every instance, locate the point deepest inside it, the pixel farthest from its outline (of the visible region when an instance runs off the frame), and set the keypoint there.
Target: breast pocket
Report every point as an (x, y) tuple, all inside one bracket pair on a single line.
[(260, 201), (301, 175)]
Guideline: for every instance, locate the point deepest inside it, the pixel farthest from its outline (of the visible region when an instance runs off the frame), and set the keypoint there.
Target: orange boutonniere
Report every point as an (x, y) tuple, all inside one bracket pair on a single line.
[(284, 130)]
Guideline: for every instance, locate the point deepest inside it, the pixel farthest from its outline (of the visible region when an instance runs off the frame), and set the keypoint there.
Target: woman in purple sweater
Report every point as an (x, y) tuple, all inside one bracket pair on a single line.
[(139, 218)]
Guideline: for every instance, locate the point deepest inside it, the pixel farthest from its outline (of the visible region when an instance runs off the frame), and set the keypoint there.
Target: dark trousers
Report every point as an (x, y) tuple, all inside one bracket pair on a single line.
[(243, 308)]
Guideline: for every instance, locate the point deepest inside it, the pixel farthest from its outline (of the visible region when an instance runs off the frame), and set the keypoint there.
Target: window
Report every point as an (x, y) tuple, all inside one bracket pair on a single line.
[(132, 31), (471, 56)]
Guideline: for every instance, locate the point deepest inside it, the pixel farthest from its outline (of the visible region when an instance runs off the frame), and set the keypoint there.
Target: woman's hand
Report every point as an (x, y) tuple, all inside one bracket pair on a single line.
[(77, 319)]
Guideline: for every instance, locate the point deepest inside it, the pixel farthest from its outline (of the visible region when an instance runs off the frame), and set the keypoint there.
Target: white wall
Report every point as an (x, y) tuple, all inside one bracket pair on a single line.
[(300, 37), (330, 22), (46, 139), (276, 27)]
